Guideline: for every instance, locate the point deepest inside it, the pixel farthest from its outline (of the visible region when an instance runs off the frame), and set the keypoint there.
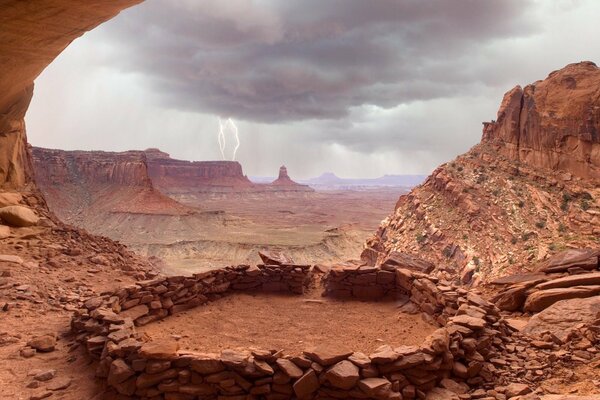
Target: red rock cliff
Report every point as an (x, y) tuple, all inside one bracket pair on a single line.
[(78, 184), (171, 176), (59, 167), (554, 123), (530, 189)]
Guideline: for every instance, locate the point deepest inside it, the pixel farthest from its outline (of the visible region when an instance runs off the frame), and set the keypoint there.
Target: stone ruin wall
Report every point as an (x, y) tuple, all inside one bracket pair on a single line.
[(472, 333)]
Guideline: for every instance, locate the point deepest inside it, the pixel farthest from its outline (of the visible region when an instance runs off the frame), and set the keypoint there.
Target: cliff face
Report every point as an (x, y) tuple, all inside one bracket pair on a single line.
[(190, 181), (31, 36), (80, 184), (528, 190), (554, 123), (59, 167), (176, 176)]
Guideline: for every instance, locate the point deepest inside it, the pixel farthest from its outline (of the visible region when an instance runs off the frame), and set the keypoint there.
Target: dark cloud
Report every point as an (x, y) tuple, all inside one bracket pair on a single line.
[(358, 87), (299, 59)]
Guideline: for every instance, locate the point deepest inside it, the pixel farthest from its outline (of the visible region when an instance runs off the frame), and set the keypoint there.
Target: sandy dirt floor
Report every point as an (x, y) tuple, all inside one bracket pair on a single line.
[(290, 323)]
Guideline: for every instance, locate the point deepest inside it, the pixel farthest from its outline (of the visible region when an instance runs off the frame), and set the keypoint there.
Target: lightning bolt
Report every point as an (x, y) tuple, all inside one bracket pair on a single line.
[(221, 137), (237, 137)]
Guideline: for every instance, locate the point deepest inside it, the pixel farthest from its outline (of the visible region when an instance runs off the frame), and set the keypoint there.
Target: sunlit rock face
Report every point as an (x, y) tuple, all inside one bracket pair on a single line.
[(554, 123), (31, 36)]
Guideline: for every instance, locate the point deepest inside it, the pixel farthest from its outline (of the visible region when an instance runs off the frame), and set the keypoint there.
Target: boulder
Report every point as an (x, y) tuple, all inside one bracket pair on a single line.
[(18, 216), (375, 387), (563, 316), (119, 372), (289, 368), (135, 312), (10, 199), (44, 343), (272, 257), (468, 321), (516, 389), (306, 385), (582, 258), (159, 350), (327, 356), (343, 375), (407, 261), (511, 299), (542, 299)]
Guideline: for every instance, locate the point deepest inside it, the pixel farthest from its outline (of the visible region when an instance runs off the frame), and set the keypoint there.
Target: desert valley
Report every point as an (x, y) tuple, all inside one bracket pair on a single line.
[(141, 275)]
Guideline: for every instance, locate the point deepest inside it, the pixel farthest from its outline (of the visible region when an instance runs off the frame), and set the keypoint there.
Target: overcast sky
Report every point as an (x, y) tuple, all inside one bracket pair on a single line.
[(361, 88)]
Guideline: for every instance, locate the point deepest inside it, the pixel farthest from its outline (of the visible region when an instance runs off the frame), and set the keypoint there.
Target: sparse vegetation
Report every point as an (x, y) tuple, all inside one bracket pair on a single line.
[(566, 198), (447, 252), (514, 240), (585, 204), (541, 224), (521, 204), (525, 236), (420, 238), (562, 228)]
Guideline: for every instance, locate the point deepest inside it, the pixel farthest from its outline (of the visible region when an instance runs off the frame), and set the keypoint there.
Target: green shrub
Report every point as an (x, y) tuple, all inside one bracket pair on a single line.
[(585, 204), (540, 224)]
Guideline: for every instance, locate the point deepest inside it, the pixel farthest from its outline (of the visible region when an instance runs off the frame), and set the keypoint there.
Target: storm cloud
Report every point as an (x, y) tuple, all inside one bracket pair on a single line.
[(274, 61), (361, 88)]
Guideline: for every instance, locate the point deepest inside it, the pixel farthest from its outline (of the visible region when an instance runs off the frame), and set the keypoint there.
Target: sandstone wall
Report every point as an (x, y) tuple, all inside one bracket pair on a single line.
[(173, 176), (59, 167), (554, 123), (30, 38), (459, 353)]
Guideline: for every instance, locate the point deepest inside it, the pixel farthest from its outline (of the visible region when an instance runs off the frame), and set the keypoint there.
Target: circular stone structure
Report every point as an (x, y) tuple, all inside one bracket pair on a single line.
[(471, 333)]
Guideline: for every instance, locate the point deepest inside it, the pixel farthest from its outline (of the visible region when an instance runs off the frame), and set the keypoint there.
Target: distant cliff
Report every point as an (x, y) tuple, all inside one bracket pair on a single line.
[(182, 179), (78, 184), (58, 167), (176, 176)]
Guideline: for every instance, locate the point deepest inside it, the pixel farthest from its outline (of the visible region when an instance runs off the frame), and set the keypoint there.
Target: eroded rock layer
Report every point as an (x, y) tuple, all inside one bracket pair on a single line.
[(554, 123), (528, 190), (80, 184), (179, 176)]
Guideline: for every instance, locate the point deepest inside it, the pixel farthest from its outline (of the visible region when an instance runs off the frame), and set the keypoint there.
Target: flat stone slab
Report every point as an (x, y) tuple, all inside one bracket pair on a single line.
[(573, 280), (582, 258), (543, 299), (561, 317)]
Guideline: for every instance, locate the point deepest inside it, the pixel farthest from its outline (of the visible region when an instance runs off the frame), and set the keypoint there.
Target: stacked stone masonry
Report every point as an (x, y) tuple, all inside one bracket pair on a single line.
[(458, 353)]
